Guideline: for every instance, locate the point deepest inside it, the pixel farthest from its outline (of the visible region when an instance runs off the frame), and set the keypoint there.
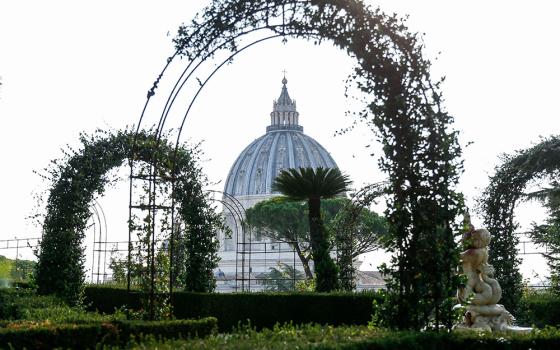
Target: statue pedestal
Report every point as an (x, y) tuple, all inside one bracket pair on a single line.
[(490, 318)]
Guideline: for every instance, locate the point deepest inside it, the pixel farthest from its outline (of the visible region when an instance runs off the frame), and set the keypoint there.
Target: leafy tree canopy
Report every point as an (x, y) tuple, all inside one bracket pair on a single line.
[(287, 221), (547, 234)]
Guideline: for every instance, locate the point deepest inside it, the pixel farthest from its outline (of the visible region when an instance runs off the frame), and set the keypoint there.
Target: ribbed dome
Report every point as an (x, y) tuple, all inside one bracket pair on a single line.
[(283, 146)]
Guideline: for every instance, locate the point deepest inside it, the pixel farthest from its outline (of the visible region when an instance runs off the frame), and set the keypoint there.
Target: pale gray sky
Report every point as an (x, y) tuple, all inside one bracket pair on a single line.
[(70, 66)]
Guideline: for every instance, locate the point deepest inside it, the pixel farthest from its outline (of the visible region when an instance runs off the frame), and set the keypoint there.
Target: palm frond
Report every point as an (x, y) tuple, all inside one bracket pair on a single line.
[(304, 183)]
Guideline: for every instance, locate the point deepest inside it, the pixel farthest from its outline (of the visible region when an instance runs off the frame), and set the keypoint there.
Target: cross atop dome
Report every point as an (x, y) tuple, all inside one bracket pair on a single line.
[(284, 114)]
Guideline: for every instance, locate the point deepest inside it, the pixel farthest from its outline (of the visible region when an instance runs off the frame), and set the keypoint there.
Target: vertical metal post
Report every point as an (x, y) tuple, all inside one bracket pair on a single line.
[(243, 252), (17, 253), (294, 272), (250, 255), (99, 252), (236, 255), (93, 252), (130, 228), (172, 238), (152, 189)]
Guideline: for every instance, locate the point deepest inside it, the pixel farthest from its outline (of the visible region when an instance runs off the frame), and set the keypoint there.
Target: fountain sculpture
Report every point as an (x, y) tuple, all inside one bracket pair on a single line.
[(481, 291)]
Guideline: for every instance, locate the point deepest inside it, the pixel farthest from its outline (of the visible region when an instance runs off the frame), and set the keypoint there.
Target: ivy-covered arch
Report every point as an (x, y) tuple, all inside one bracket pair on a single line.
[(403, 108), (499, 200), (83, 175)]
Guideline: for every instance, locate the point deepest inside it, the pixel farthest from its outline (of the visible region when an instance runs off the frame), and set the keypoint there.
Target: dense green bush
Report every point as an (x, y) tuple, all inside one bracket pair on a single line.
[(91, 335), (540, 308), (108, 299), (262, 309), (359, 337), (267, 309)]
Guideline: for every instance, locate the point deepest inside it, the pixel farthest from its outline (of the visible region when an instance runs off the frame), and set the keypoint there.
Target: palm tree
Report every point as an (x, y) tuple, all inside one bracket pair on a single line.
[(313, 185)]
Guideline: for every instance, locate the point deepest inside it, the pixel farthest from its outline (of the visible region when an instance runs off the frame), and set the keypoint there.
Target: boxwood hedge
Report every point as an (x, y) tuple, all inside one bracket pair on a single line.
[(90, 335), (265, 309), (262, 309)]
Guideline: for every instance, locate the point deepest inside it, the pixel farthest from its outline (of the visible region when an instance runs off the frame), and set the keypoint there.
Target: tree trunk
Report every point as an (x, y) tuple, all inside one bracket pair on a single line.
[(325, 268), (304, 261)]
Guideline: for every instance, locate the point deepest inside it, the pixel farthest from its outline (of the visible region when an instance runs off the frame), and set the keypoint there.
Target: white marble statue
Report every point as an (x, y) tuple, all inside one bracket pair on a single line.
[(481, 292)]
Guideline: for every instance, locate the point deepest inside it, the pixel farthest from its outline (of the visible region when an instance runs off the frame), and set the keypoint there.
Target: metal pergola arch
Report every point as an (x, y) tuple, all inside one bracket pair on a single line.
[(187, 74)]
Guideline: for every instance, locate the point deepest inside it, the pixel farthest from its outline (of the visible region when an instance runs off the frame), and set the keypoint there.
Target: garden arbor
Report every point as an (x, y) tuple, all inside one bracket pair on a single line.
[(83, 175), (499, 200), (402, 108)]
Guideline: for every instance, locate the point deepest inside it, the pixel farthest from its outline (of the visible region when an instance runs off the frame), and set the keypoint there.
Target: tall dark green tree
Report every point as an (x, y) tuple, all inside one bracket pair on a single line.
[(283, 220), (547, 234), (355, 230), (282, 278), (313, 185)]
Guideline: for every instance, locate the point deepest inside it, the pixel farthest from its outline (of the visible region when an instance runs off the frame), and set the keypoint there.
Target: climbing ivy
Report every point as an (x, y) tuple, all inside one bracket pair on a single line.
[(547, 234), (82, 175), (403, 109), (538, 163)]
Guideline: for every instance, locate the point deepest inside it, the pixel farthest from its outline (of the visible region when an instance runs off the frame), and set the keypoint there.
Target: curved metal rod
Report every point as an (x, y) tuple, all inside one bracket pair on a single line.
[(203, 85), (106, 233), (96, 214), (233, 209), (210, 76), (240, 209), (190, 106), (153, 167), (151, 92), (93, 249), (173, 95), (238, 223), (233, 201)]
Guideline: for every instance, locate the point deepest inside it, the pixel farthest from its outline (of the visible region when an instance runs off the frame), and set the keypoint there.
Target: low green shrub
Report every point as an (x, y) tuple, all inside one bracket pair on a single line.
[(88, 336), (15, 303), (107, 299), (168, 329), (25, 305), (358, 338)]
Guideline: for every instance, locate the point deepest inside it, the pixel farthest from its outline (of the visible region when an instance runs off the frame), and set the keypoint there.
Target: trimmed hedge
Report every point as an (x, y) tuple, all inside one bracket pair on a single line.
[(540, 309), (25, 305), (267, 309), (262, 309), (15, 304), (84, 336), (107, 300)]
